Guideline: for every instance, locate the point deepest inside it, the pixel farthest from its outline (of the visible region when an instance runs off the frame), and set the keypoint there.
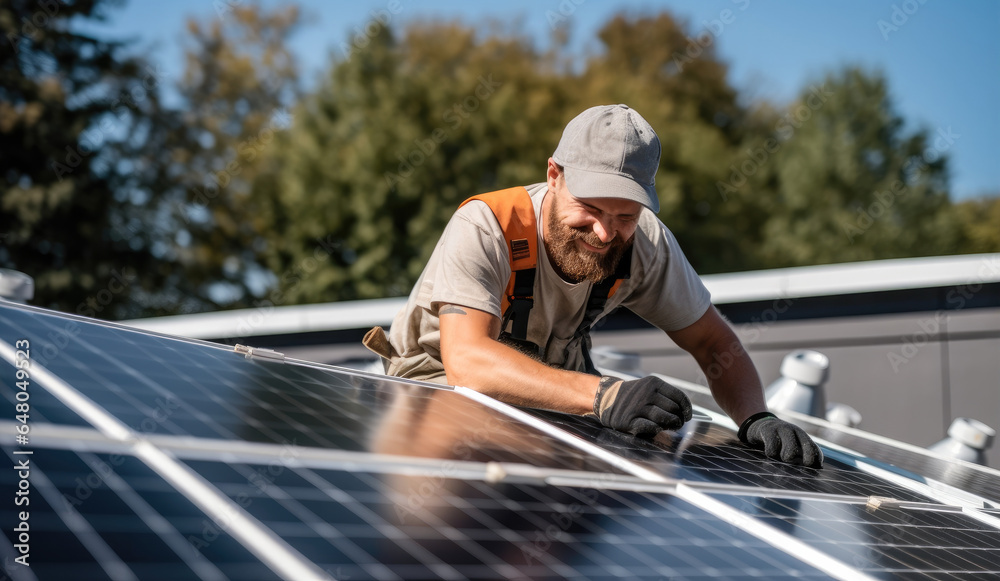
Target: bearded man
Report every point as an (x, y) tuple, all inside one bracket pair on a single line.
[(519, 277)]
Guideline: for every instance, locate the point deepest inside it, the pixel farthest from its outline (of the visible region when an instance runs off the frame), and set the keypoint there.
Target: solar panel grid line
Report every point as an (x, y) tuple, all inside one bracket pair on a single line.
[(73, 399), (669, 485), (461, 540), (277, 554), (638, 533), (74, 318), (173, 539), (374, 520), (706, 452), (773, 536), (155, 356), (714, 526), (973, 478), (109, 561), (942, 493), (338, 541), (889, 442), (562, 435), (983, 517), (198, 383), (713, 456), (835, 568), (887, 541), (156, 387)]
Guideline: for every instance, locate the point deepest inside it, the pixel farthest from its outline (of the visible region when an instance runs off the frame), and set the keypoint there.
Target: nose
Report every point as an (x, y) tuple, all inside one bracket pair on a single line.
[(604, 230)]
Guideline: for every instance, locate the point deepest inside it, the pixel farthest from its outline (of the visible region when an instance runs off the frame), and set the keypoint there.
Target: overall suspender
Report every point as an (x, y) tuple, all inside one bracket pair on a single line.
[(513, 210)]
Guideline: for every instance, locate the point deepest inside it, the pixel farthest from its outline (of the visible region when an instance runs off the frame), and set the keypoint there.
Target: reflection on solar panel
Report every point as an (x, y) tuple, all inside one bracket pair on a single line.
[(150, 457)]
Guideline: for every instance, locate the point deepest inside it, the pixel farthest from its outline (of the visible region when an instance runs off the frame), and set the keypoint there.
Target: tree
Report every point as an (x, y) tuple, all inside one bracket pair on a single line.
[(72, 109), (382, 153), (239, 84), (980, 223), (851, 184), (673, 77)]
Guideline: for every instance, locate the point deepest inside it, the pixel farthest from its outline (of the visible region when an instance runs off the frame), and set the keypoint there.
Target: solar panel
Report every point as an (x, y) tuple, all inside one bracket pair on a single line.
[(156, 385), (886, 542), (155, 457), (979, 480)]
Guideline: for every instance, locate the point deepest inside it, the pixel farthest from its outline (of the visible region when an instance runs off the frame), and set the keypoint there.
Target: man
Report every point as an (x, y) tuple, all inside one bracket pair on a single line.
[(599, 246)]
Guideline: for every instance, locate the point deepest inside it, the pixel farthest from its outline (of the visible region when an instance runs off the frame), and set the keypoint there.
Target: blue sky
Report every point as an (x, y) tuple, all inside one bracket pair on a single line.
[(942, 58)]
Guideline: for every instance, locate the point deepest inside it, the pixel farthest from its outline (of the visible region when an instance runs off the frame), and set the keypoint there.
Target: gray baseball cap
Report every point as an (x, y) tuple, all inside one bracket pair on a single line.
[(610, 151)]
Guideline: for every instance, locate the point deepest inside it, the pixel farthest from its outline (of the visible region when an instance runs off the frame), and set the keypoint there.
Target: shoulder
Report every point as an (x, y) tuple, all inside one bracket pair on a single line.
[(653, 240), (476, 214)]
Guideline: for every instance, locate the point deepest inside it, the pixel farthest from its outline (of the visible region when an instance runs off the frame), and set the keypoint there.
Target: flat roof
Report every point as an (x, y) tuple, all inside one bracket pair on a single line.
[(739, 287)]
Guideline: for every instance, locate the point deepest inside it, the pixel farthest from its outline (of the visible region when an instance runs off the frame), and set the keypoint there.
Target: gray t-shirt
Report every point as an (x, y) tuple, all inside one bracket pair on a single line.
[(470, 267)]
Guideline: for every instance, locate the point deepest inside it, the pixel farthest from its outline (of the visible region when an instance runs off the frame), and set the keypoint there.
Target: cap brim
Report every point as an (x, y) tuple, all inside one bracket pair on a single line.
[(592, 184)]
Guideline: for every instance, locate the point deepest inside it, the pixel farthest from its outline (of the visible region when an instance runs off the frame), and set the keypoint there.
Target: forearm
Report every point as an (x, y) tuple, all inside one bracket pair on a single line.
[(501, 372), (731, 374), (735, 386)]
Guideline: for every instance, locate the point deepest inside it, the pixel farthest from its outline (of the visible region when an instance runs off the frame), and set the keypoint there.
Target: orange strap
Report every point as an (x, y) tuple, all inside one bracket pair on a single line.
[(513, 210)]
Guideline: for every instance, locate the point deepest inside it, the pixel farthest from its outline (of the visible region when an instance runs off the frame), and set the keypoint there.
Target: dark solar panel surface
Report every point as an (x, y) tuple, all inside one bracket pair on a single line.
[(157, 385), (705, 452), (979, 481), (110, 516), (378, 526), (887, 543), (150, 529)]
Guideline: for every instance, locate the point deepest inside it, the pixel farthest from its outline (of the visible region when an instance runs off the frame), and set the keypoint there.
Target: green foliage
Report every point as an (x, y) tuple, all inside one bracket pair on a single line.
[(382, 153), (849, 184), (239, 83), (216, 204), (980, 223), (405, 129), (71, 214)]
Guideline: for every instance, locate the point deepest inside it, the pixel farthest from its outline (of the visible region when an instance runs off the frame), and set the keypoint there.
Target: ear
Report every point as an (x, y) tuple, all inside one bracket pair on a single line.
[(553, 174)]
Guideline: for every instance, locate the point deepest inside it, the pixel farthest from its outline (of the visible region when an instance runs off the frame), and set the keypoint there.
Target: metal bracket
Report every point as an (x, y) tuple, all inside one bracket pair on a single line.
[(259, 353)]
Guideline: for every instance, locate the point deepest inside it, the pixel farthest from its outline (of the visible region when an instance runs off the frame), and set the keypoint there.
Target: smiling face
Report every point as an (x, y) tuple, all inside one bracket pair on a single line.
[(585, 238)]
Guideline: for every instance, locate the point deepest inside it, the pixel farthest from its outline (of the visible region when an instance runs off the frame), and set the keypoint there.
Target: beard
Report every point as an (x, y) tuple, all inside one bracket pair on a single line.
[(575, 262)]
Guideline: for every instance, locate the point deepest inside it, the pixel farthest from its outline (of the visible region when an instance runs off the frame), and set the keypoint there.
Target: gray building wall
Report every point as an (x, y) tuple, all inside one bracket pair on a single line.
[(909, 374)]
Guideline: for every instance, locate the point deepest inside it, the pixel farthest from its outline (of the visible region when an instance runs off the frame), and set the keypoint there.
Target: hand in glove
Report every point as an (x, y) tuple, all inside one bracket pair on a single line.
[(642, 407), (780, 440)]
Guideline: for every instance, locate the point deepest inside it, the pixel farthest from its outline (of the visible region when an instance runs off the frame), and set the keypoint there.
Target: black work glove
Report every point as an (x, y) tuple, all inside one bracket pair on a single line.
[(642, 407), (780, 440)]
